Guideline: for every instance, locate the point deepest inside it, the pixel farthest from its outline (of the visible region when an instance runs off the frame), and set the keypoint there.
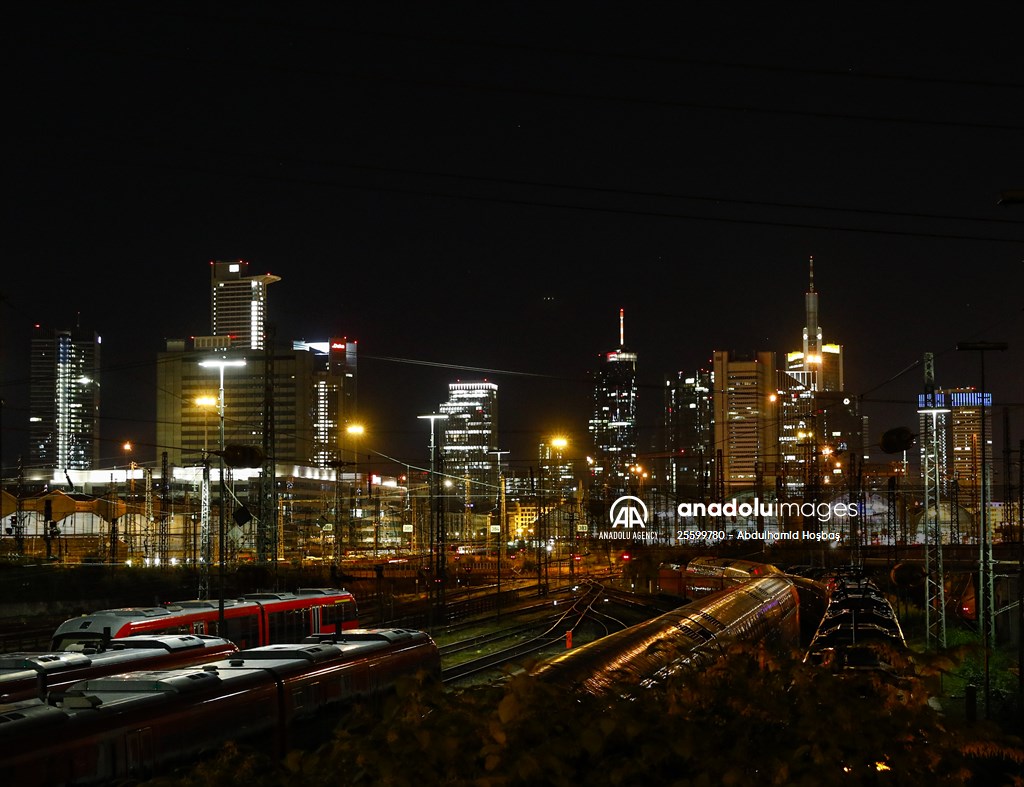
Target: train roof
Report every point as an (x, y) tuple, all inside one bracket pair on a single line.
[(322, 592), (309, 652), (15, 663), (174, 681), (30, 716), (130, 612), (654, 648), (208, 603), (369, 635), (287, 595), (170, 643), (707, 564)]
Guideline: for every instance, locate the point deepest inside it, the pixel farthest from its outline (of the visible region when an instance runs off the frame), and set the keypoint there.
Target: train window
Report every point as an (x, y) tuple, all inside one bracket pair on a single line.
[(243, 631), (288, 626), (333, 617)]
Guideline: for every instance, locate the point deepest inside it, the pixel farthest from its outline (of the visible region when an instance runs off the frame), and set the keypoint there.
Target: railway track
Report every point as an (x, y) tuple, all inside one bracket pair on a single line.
[(550, 632)]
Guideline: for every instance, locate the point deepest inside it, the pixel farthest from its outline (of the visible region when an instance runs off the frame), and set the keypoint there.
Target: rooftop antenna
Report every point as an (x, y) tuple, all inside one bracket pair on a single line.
[(812, 331), (622, 327)]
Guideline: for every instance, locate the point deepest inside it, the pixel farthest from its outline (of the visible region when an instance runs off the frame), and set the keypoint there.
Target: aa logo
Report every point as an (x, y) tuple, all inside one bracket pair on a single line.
[(629, 512)]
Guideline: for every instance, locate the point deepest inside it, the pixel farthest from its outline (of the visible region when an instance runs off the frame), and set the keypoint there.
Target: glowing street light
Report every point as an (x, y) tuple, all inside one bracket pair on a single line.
[(205, 403), (354, 431), (220, 364)]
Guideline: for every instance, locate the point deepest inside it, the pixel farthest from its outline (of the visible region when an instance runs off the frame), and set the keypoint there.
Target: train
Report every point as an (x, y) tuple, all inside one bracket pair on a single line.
[(704, 575), (251, 620), (139, 724), (761, 610), (25, 676), (859, 630)]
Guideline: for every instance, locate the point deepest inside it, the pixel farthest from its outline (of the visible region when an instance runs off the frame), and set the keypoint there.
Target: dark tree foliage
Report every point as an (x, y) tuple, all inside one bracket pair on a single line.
[(748, 719)]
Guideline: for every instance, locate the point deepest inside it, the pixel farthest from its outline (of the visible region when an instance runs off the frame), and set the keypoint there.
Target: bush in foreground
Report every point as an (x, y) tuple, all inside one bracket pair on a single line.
[(743, 721)]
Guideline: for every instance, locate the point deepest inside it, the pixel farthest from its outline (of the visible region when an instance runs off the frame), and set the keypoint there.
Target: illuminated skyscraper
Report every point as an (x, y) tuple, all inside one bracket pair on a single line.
[(818, 424), (238, 304), (285, 380), (689, 421), (293, 403), (958, 437), (470, 442), (819, 364), (334, 395), (745, 428), (64, 399), (613, 423)]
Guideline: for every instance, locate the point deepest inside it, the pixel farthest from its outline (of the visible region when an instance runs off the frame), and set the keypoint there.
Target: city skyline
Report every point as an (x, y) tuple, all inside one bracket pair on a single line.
[(472, 200), (581, 444)]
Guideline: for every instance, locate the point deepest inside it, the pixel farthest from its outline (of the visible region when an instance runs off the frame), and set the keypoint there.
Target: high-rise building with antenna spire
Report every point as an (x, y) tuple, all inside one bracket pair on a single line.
[(821, 363), (613, 422), (820, 429)]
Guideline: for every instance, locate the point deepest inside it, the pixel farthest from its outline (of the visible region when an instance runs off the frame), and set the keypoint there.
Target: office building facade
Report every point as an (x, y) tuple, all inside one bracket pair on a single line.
[(238, 303), (613, 421), (334, 396), (469, 445), (960, 448), (818, 422), (689, 424), (283, 381), (64, 400), (745, 428)]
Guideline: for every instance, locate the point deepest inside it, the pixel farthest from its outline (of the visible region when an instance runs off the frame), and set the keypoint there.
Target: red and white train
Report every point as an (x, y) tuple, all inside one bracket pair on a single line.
[(25, 676), (136, 725), (249, 621)]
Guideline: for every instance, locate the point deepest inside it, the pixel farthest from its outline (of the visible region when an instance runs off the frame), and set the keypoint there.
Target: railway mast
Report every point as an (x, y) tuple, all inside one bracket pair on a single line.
[(935, 588)]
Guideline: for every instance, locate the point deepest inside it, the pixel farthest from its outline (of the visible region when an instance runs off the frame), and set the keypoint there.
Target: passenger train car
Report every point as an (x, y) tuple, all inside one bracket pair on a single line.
[(135, 725), (252, 620), (704, 575), (859, 630), (25, 676), (762, 610)]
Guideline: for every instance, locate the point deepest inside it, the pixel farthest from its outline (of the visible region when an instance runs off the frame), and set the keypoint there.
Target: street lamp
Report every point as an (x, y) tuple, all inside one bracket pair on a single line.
[(205, 403), (355, 431), (558, 444), (220, 364), (437, 534)]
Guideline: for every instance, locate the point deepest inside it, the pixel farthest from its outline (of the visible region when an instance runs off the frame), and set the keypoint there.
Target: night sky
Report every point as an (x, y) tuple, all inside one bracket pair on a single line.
[(485, 185)]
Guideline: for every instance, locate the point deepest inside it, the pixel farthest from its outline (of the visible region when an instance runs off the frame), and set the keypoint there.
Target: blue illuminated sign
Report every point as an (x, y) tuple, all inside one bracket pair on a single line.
[(956, 399)]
